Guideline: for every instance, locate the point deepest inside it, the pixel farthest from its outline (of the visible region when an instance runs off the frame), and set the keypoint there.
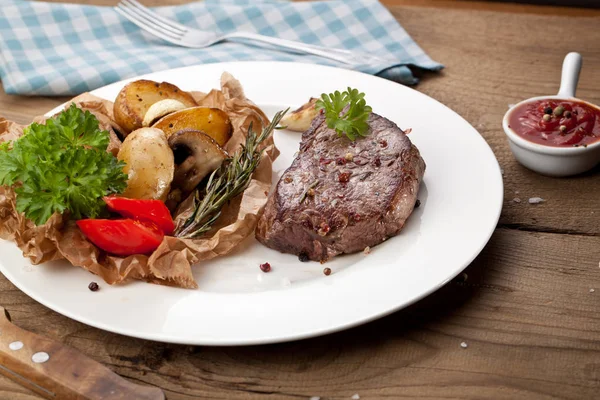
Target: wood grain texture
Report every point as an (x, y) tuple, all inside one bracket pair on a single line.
[(527, 316), (497, 59), (545, 7), (66, 373), (525, 310)]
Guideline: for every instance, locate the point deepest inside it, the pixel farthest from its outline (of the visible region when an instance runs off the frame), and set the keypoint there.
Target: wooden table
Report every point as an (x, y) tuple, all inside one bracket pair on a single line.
[(525, 307)]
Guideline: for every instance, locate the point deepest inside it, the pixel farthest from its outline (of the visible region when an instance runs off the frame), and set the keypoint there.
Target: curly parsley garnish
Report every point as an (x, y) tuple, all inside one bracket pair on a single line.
[(61, 165), (351, 121)]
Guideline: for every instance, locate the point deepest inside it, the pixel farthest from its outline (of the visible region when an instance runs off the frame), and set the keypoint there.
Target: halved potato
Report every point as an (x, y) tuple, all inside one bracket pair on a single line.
[(134, 100), (150, 164), (212, 121), (300, 119)]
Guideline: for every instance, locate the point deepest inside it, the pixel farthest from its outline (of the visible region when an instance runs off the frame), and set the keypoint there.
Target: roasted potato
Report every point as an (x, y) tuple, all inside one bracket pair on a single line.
[(134, 100), (150, 164), (212, 121), (300, 119)]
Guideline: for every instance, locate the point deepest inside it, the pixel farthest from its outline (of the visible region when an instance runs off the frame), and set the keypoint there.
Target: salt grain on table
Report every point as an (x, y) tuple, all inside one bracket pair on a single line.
[(315, 398), (536, 200), (517, 200), (592, 290), (464, 345), (355, 396)]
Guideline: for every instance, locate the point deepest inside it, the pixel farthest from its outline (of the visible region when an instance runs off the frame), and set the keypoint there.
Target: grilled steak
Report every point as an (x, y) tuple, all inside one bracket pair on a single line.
[(340, 196)]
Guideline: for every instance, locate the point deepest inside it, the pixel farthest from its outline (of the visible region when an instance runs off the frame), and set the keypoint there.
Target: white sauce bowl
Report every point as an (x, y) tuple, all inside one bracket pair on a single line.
[(551, 160)]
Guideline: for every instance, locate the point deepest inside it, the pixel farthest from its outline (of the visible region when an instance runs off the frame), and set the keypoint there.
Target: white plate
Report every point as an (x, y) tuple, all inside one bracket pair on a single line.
[(237, 304)]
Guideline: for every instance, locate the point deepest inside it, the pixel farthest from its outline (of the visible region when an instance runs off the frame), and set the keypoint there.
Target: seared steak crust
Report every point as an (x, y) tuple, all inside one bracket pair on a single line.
[(340, 196)]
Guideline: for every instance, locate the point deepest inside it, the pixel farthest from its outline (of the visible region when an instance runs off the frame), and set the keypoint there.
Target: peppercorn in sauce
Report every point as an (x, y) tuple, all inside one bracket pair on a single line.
[(557, 123)]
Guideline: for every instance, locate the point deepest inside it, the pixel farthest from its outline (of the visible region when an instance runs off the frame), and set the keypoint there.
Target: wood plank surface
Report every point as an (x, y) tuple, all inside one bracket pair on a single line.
[(496, 59), (524, 308)]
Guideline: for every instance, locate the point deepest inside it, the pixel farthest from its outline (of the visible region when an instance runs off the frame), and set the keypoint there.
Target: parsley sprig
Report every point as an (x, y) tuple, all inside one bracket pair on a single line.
[(61, 165), (346, 112)]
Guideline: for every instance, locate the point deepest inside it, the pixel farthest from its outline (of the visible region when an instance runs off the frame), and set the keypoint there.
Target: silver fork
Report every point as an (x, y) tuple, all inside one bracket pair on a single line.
[(184, 36)]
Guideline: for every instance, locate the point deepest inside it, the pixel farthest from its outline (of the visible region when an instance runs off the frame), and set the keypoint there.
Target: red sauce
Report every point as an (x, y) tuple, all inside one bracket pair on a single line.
[(558, 123)]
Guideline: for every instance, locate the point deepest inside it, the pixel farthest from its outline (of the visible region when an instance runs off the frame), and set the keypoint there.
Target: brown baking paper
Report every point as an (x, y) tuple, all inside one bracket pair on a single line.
[(171, 263)]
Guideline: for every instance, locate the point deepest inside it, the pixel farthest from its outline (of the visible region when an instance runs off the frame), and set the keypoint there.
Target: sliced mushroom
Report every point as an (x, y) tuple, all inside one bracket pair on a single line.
[(160, 109), (174, 198), (196, 156)]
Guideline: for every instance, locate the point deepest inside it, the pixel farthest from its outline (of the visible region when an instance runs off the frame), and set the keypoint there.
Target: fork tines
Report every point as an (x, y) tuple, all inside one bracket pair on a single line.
[(151, 21)]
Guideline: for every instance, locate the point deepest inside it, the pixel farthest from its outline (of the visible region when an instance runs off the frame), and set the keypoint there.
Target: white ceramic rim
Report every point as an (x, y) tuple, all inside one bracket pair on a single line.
[(540, 148), (484, 235)]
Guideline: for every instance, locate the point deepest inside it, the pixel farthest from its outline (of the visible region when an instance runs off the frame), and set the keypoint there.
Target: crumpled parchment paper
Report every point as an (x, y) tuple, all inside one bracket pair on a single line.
[(171, 263)]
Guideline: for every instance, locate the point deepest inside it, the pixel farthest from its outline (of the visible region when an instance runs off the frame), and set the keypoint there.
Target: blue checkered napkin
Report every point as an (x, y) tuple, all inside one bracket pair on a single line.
[(66, 49)]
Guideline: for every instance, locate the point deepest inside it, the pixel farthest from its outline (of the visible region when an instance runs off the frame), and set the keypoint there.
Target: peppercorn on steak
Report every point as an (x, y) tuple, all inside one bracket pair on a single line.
[(340, 196)]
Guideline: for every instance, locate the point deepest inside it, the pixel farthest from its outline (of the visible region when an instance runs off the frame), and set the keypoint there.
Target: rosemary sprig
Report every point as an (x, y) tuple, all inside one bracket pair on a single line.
[(225, 183)]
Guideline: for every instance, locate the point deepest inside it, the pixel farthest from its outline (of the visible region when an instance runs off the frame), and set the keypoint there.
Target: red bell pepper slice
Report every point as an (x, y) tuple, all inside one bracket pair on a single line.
[(153, 211), (122, 237)]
